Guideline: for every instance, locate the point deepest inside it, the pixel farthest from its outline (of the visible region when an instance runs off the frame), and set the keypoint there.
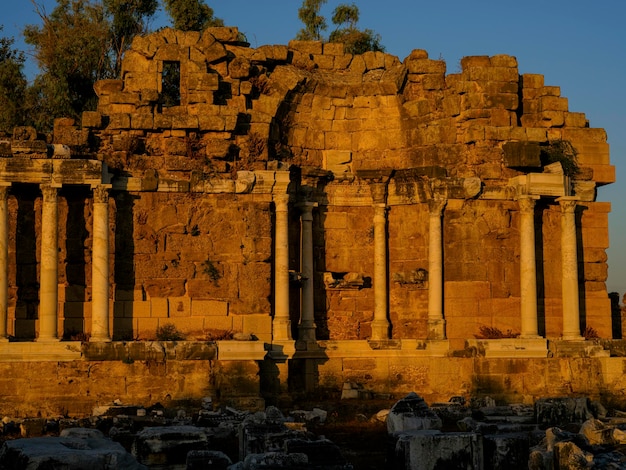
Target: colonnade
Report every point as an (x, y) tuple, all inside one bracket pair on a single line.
[(281, 326), (436, 318), (48, 277)]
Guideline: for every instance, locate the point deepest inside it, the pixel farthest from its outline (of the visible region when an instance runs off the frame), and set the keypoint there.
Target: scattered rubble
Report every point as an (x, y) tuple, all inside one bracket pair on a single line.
[(563, 433)]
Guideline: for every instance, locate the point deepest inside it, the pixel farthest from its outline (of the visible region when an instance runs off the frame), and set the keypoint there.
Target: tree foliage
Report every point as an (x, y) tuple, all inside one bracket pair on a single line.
[(72, 49), (78, 43), (12, 85), (345, 18), (191, 15), (314, 23), (127, 18)]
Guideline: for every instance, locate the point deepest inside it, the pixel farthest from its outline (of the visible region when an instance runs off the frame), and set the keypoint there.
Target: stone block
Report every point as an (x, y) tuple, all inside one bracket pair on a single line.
[(208, 308), (179, 307), (306, 47), (223, 323), (159, 308), (258, 325), (522, 154), (467, 290)]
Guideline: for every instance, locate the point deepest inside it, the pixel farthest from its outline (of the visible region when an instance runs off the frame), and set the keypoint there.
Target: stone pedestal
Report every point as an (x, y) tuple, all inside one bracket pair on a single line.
[(4, 263), (48, 282), (569, 263), (528, 268), (281, 324), (100, 266), (307, 326), (436, 322)]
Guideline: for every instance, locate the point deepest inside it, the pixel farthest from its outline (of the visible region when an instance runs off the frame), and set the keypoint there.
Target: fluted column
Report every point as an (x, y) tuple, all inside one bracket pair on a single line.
[(48, 278), (569, 266), (307, 326), (4, 264), (281, 324), (100, 265), (436, 321), (528, 268), (380, 325)]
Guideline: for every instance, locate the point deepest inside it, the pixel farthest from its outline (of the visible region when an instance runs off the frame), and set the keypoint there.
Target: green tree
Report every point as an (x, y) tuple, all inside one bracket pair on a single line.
[(12, 85), (73, 50), (356, 41), (191, 15), (127, 19), (314, 23), (345, 18)]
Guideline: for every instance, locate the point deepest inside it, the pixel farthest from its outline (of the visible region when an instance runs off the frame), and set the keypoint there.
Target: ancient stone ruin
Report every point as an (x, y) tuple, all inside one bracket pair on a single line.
[(304, 218)]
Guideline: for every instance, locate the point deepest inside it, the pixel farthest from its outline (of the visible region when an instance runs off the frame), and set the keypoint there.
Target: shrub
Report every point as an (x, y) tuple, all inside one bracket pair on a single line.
[(169, 332), (491, 332)]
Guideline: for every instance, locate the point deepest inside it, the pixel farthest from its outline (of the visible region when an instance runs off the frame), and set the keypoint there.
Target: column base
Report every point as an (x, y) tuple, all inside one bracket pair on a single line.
[(99, 339), (530, 337), (4, 339), (47, 339), (306, 332), (436, 329), (281, 330), (380, 329), (572, 338)]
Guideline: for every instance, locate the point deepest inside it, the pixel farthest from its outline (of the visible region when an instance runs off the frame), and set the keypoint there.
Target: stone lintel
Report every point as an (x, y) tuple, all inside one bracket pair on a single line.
[(541, 184), (375, 176), (58, 172), (418, 173)]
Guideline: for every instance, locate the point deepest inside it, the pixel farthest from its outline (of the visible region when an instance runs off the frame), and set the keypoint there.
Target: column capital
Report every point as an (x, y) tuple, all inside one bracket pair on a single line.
[(436, 206), (49, 192), (568, 203), (101, 193), (281, 200), (527, 203)]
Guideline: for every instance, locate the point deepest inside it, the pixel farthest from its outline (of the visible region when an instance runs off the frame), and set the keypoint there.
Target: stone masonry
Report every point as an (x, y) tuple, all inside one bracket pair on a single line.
[(311, 199)]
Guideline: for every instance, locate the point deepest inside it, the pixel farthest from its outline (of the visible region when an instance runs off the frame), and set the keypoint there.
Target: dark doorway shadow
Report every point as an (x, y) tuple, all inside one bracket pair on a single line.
[(124, 267), (75, 263), (26, 279)]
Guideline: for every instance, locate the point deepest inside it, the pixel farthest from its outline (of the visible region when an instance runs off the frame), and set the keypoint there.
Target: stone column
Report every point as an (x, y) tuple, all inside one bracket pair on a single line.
[(380, 325), (569, 266), (281, 324), (307, 321), (100, 265), (528, 267), (48, 278), (4, 263), (436, 321)]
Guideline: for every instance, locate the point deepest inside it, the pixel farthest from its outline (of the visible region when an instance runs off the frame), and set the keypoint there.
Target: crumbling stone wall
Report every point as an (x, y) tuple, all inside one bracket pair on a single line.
[(193, 177)]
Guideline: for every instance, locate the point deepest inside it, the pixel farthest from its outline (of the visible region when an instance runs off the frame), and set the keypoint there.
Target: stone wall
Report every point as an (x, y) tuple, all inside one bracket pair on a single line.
[(296, 194)]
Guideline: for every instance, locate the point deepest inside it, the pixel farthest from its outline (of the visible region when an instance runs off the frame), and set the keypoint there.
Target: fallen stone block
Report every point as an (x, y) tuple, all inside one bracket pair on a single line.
[(411, 413), (168, 445), (432, 449)]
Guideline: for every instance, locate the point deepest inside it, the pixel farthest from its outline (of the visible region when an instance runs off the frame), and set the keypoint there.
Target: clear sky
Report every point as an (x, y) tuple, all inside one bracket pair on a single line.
[(577, 45)]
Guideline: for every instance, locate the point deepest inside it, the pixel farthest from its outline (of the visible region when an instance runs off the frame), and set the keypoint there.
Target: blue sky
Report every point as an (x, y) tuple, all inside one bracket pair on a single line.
[(579, 46)]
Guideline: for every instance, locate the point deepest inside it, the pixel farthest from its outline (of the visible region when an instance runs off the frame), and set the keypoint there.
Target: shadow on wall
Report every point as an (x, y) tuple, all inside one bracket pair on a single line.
[(124, 265)]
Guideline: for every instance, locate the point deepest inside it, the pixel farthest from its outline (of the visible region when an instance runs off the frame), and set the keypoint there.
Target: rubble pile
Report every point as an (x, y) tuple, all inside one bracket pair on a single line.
[(563, 433)]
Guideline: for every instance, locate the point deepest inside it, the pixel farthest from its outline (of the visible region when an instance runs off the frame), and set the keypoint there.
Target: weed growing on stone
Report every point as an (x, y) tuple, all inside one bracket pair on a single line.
[(169, 332), (491, 332)]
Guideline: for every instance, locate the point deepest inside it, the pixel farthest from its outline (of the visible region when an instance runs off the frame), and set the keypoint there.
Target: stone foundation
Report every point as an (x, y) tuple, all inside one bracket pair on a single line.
[(73, 380)]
